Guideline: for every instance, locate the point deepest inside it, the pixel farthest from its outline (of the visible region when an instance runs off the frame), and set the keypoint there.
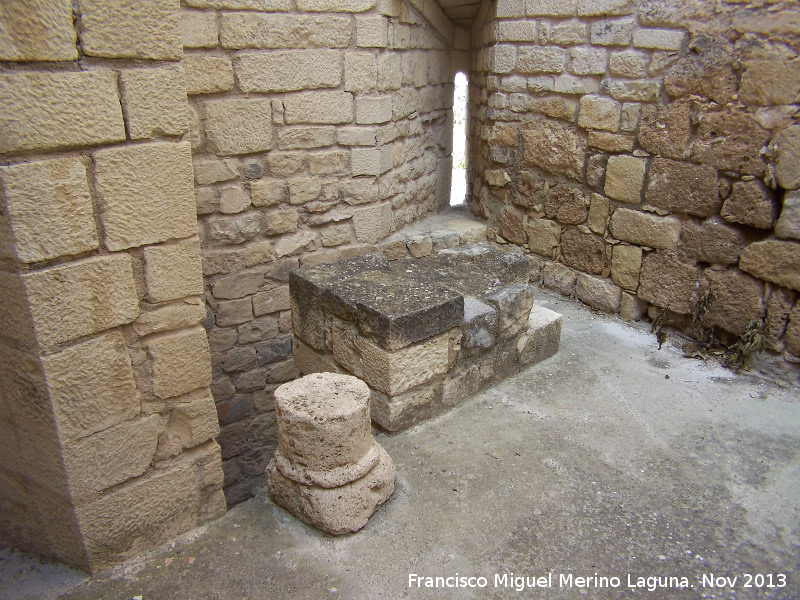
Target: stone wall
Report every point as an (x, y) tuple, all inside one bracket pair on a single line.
[(644, 152), (318, 127), (106, 417)]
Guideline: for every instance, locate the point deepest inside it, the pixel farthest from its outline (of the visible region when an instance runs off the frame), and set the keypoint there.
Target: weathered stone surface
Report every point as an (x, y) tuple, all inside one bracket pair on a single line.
[(181, 362), (199, 29), (390, 372), (339, 510), (645, 229), (480, 324), (597, 112), (628, 63), (788, 225), (771, 82), (208, 171), (127, 450), (612, 142), (613, 32), (271, 300), (588, 61), (155, 102), (711, 241), (48, 210), (346, 6), (265, 192), (598, 214), (234, 312), (91, 386), (151, 29), (666, 130), (596, 169), (262, 30), (631, 307), (324, 434), (683, 187), (708, 74), (791, 338), (736, 299), (233, 199), (584, 251), (731, 141), (146, 192), (323, 107), (132, 517), (541, 339), (46, 111), (626, 261), (39, 30), (173, 271), (551, 8), (193, 420), (292, 138), (372, 223), (787, 161), (558, 277), (395, 413), (513, 304), (659, 39), (750, 203), (554, 147), (598, 292), (668, 283), (75, 299), (181, 315), (239, 125), (207, 74), (289, 70), (773, 260), (510, 225), (566, 204), (625, 178), (543, 236)]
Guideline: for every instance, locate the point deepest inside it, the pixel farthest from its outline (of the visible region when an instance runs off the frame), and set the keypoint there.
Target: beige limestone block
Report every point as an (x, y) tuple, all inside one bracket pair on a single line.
[(631, 307), (788, 225), (122, 29), (262, 5), (597, 112), (75, 299), (551, 8), (612, 142), (146, 192), (155, 507), (390, 372), (554, 147), (598, 292), (373, 110), (353, 6), (625, 264), (787, 162), (48, 210), (372, 223), (207, 171), (181, 362), (750, 203), (360, 72), (265, 192), (769, 82), (543, 236), (645, 229), (279, 221), (182, 314), (15, 315), (683, 187), (233, 199), (173, 271), (774, 260), (625, 178), (323, 107), (305, 137), (126, 450), (394, 413), (289, 70), (339, 510), (91, 386), (324, 431), (46, 111), (194, 419), (155, 102), (199, 29), (598, 214), (668, 283), (270, 301), (659, 39), (207, 74), (737, 299), (254, 30), (239, 125), (37, 30), (307, 360), (372, 32)]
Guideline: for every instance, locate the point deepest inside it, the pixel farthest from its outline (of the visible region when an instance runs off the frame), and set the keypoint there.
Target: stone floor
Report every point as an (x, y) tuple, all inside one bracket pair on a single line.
[(610, 458)]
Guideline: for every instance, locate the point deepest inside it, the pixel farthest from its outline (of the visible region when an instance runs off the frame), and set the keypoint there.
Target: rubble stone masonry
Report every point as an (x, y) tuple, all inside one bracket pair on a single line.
[(648, 148)]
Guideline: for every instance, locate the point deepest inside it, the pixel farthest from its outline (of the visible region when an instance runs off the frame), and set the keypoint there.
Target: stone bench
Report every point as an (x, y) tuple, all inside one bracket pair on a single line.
[(423, 333)]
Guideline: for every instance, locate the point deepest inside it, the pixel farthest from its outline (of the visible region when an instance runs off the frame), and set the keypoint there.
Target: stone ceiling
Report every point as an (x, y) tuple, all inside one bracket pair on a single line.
[(461, 12)]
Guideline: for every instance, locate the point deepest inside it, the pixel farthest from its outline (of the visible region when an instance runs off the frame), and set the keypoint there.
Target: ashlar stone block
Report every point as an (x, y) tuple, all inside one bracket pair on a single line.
[(173, 271), (181, 362), (289, 70), (146, 192), (239, 125), (625, 178), (48, 111), (76, 299), (122, 29), (40, 30), (48, 210), (155, 102), (645, 229)]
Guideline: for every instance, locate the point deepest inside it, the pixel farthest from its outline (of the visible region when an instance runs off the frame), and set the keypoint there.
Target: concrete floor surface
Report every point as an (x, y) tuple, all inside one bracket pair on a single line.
[(612, 459)]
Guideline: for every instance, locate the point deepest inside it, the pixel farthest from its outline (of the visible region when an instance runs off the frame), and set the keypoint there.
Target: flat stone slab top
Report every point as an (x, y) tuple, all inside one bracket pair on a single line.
[(328, 470), (424, 333)]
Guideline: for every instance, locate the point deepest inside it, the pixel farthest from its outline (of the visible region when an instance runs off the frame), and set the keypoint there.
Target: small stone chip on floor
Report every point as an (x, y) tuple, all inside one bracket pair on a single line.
[(328, 471)]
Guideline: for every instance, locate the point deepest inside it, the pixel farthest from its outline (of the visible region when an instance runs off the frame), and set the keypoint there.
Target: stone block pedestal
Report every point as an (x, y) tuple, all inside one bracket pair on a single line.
[(328, 470)]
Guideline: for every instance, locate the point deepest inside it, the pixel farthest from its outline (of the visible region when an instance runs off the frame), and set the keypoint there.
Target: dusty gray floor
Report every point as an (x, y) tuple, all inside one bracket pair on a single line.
[(612, 458)]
